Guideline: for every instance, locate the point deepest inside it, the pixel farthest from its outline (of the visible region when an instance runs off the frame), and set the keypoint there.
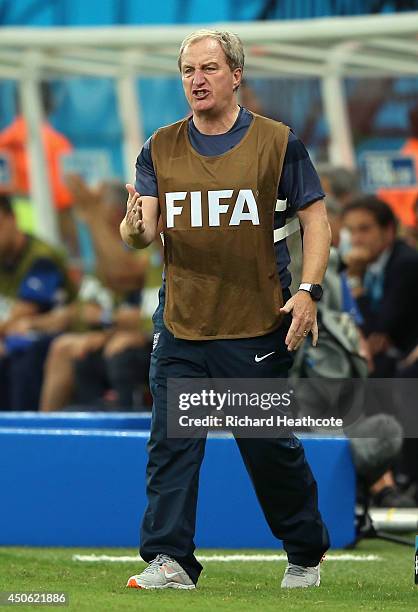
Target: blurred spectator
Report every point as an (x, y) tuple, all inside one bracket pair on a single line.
[(13, 141), (114, 353), (344, 354), (383, 271), (337, 295), (339, 182), (33, 282), (117, 373), (102, 209), (383, 274)]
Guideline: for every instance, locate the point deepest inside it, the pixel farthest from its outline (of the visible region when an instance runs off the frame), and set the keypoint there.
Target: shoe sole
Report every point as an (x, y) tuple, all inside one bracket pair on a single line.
[(132, 584), (316, 584)]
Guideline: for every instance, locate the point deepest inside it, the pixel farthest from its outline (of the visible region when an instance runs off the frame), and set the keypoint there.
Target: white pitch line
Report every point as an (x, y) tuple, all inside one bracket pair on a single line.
[(223, 558)]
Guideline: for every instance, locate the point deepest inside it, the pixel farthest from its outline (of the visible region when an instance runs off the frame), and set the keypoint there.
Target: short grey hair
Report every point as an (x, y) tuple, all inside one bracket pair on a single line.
[(343, 181), (231, 45)]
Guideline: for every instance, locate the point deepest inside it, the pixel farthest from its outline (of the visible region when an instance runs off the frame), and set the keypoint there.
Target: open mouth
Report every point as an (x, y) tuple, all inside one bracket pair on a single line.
[(200, 94)]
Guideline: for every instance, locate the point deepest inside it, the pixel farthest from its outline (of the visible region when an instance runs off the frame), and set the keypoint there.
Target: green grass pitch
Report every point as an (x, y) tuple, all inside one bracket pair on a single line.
[(387, 584)]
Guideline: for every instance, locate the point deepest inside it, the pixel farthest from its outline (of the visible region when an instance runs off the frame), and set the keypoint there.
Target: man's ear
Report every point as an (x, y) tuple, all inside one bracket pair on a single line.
[(237, 77)]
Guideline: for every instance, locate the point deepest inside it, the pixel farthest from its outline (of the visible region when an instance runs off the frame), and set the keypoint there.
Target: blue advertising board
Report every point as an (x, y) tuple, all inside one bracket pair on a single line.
[(386, 170)]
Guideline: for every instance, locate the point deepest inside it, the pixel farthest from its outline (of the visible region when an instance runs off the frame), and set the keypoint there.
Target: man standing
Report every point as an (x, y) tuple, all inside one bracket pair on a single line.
[(215, 179)]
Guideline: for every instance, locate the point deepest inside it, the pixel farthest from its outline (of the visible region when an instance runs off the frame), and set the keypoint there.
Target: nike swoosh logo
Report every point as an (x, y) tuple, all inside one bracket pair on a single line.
[(169, 575), (257, 358)]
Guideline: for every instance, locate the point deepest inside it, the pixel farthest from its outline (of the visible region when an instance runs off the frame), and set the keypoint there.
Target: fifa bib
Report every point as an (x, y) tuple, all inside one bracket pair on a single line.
[(221, 272)]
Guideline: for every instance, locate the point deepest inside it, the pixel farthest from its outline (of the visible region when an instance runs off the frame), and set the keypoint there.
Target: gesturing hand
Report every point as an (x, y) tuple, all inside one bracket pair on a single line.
[(133, 217), (303, 310)]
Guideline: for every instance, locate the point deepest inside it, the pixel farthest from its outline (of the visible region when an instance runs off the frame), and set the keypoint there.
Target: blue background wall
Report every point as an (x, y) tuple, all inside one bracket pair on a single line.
[(86, 487)]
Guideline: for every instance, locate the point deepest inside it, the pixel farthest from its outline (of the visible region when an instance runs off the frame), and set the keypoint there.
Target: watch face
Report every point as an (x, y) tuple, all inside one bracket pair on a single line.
[(316, 292)]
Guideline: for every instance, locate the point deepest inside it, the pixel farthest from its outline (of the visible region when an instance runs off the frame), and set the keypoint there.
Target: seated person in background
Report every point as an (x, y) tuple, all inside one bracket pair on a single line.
[(383, 275), (114, 353), (375, 459), (337, 294), (33, 280)]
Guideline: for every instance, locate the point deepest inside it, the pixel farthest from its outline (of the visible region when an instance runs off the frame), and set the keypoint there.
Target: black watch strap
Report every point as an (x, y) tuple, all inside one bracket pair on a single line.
[(314, 290)]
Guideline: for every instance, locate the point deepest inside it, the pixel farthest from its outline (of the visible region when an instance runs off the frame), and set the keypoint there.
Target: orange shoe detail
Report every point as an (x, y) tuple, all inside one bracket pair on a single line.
[(132, 583)]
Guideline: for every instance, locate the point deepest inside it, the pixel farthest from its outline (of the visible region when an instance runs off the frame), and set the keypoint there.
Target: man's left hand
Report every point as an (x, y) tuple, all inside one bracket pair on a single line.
[(303, 310)]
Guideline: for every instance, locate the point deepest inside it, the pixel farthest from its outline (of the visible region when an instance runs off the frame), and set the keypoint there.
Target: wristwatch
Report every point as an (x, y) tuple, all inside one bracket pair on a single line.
[(315, 291)]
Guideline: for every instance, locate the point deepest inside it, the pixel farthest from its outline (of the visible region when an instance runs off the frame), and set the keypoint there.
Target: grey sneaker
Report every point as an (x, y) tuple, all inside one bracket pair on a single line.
[(162, 573), (297, 576)]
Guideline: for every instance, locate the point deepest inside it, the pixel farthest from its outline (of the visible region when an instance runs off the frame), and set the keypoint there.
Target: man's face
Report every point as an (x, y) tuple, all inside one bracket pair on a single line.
[(208, 81), (7, 233), (367, 234)]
